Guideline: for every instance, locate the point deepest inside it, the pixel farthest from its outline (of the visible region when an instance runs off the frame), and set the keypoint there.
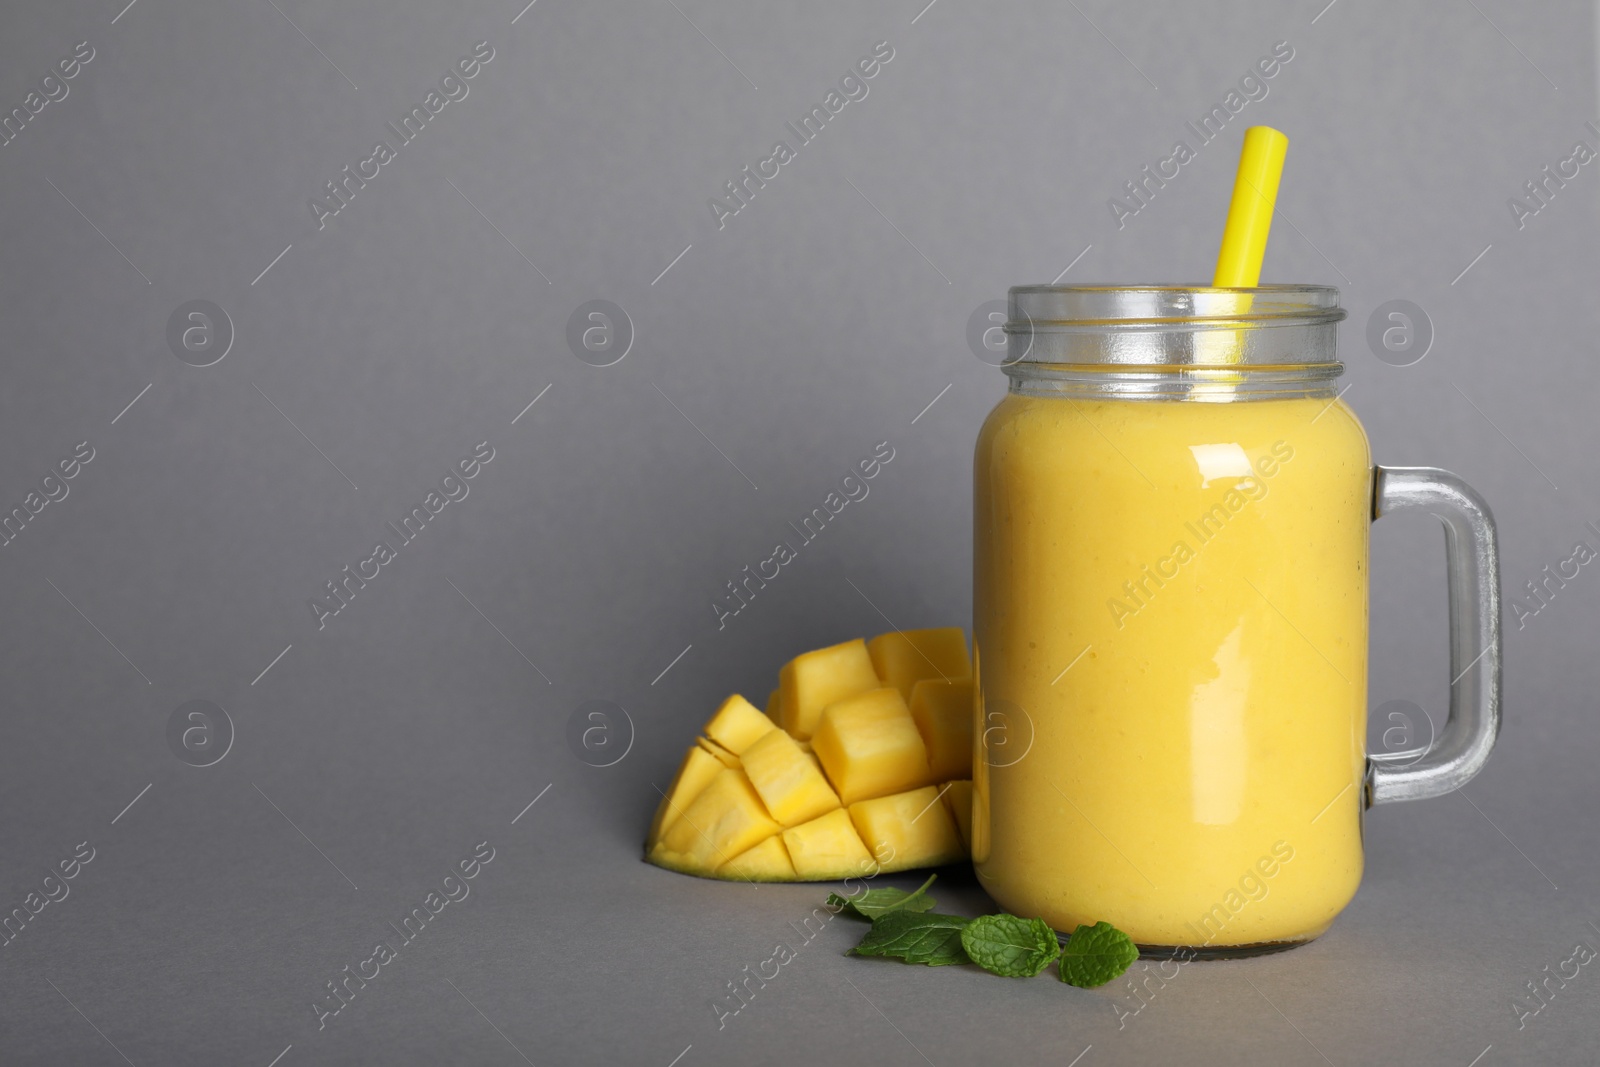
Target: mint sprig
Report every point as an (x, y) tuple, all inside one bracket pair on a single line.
[(904, 928), (875, 902), (1095, 955), (1008, 946), (916, 937)]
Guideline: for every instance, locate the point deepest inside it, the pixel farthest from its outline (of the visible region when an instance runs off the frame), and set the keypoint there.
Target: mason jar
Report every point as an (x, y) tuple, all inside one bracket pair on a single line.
[(1171, 518)]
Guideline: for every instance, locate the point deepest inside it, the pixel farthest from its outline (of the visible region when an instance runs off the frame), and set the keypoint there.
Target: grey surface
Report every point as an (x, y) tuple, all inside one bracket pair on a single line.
[(813, 326)]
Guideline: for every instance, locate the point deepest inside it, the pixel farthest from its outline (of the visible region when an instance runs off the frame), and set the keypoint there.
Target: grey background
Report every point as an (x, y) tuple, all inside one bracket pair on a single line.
[(821, 320)]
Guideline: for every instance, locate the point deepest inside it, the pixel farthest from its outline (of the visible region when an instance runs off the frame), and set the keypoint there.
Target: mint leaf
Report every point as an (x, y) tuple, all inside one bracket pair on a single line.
[(1006, 945), (915, 937), (876, 902), (1095, 955)]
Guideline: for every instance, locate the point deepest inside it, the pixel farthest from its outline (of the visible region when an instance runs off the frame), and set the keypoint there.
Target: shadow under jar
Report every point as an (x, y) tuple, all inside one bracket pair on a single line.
[(1171, 513)]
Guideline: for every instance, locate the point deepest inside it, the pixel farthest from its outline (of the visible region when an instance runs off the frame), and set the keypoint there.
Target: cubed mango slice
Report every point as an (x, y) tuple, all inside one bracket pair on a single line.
[(827, 848), (860, 764), (902, 658), (958, 798), (870, 747), (943, 714), (766, 862), (724, 820), (810, 682), (910, 829), (788, 780), (738, 724)]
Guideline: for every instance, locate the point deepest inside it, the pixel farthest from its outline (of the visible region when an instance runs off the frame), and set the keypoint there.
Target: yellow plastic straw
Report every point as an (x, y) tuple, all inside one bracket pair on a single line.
[(1255, 190), (1244, 243)]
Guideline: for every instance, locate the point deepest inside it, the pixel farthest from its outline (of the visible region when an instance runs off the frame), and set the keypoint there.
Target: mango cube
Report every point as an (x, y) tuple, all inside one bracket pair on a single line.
[(827, 848), (724, 820), (910, 829), (810, 682), (738, 724), (902, 658), (696, 772), (766, 862), (943, 714), (789, 781), (772, 708), (958, 798), (869, 745)]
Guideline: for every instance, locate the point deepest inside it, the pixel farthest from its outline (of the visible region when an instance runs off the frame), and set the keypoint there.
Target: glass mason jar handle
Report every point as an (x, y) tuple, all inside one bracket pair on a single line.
[(1472, 564)]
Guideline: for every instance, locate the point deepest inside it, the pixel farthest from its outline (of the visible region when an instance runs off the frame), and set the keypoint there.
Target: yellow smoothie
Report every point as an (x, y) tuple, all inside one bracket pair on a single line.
[(1170, 638)]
